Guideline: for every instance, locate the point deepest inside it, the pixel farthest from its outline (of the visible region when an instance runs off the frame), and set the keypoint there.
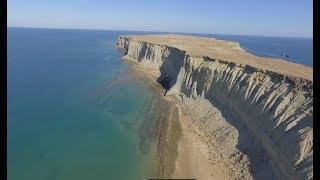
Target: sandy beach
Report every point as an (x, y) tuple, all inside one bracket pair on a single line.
[(195, 159)]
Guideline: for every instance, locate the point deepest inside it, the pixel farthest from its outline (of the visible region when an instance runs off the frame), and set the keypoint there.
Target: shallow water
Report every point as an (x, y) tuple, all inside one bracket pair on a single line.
[(75, 111)]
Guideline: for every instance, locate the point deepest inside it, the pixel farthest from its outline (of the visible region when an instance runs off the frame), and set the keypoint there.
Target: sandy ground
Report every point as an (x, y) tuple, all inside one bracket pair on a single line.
[(195, 157)]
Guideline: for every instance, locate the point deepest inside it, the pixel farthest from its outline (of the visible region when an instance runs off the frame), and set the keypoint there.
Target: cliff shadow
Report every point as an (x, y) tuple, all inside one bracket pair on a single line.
[(142, 52), (170, 68)]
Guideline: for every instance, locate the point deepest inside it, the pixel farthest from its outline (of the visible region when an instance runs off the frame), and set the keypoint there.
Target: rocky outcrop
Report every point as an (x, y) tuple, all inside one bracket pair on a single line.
[(257, 117)]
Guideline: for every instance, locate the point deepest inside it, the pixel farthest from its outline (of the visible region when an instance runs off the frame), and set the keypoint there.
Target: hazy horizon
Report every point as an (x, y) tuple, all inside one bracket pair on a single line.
[(202, 33), (285, 18)]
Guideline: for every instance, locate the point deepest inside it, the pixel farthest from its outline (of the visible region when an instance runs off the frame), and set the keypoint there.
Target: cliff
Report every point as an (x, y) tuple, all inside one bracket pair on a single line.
[(257, 112)]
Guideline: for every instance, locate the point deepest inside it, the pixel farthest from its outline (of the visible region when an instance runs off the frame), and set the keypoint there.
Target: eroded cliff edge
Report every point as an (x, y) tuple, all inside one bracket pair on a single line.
[(257, 112)]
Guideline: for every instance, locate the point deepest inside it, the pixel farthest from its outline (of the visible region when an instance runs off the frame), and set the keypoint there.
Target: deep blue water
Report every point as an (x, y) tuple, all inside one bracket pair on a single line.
[(300, 50), (74, 110)]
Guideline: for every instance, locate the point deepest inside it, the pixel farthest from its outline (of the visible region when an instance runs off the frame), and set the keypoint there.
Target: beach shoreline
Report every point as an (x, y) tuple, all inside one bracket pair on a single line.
[(195, 158)]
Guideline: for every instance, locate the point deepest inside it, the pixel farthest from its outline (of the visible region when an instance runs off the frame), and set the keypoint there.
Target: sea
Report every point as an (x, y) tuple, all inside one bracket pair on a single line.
[(74, 110)]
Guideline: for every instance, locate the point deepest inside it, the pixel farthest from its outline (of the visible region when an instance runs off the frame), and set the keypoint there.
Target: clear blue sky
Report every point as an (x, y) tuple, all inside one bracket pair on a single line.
[(245, 17)]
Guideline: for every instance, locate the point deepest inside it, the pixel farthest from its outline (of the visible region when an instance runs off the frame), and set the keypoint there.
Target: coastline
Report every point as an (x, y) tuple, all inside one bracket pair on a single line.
[(168, 129), (190, 155), (254, 115)]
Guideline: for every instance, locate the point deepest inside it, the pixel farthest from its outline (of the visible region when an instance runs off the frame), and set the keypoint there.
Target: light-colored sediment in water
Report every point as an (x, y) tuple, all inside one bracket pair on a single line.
[(241, 116)]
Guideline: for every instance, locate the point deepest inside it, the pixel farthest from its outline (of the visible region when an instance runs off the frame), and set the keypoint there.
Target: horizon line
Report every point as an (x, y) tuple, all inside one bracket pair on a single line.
[(202, 33)]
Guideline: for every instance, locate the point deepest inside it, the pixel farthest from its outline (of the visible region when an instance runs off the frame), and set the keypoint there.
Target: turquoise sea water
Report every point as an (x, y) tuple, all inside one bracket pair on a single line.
[(74, 110)]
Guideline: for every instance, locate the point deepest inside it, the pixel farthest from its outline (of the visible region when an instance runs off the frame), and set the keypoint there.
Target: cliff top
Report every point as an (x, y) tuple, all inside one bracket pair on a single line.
[(228, 51)]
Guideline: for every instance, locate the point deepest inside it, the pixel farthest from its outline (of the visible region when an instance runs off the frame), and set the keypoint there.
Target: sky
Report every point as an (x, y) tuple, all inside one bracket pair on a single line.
[(289, 18)]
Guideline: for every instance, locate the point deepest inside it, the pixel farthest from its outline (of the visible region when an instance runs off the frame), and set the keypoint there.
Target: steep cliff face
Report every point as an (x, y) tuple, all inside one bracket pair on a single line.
[(257, 118)]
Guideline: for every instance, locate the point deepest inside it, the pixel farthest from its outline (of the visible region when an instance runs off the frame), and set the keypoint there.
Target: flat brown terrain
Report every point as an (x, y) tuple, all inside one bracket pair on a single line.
[(227, 51)]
